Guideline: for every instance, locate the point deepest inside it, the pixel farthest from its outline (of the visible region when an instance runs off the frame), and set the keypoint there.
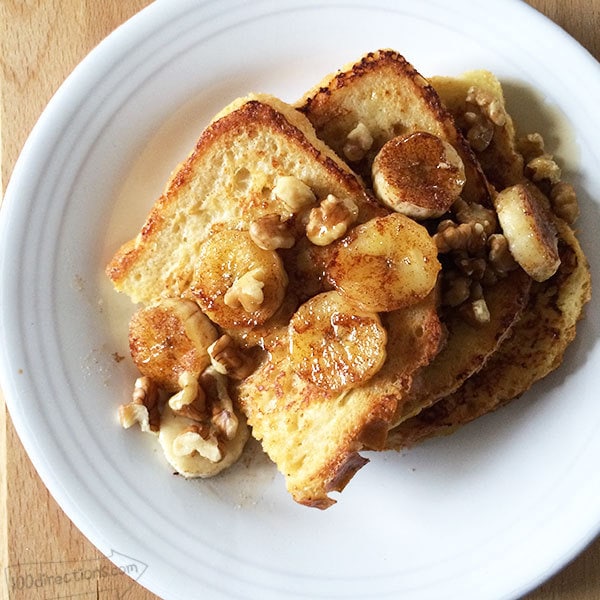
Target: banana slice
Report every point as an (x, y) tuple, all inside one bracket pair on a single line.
[(169, 338), (237, 283), (334, 345), (419, 175), (193, 456), (525, 219), (384, 264)]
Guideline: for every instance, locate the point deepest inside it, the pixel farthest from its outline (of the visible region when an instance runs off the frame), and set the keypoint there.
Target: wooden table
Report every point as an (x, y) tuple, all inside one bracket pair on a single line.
[(41, 43)]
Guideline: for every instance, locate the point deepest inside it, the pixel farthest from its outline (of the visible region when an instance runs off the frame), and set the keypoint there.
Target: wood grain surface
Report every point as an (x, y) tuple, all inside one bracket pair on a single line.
[(41, 42)]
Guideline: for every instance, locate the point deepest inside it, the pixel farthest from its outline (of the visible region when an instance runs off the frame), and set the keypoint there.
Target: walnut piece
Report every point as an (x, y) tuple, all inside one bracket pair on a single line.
[(563, 198), (464, 236), (475, 213), (294, 193), (480, 133), (272, 232), (476, 312), (190, 402), (226, 421), (476, 256), (247, 291), (457, 289), (473, 267), (531, 146), (227, 358), (194, 439), (543, 168), (223, 420), (358, 143), (490, 106), (484, 112), (499, 255), (143, 408), (330, 220)]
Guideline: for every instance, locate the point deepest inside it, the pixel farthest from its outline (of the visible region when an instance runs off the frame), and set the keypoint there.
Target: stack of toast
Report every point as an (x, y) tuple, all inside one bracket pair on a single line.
[(337, 319)]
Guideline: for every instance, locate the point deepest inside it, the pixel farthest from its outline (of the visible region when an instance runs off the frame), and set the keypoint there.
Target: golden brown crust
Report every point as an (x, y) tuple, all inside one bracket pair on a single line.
[(535, 347), (467, 346), (203, 176), (287, 412), (384, 91), (261, 116)]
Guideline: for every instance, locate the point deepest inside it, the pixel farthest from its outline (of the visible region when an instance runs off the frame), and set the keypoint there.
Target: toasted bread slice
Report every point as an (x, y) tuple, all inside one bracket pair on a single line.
[(535, 344), (313, 435), (500, 160), (535, 347), (226, 183), (468, 346), (387, 95), (468, 350)]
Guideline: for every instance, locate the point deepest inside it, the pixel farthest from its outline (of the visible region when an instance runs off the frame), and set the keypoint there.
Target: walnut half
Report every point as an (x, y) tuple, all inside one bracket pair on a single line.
[(330, 220), (227, 358), (247, 291), (272, 232), (358, 143), (484, 112), (464, 236), (563, 198), (190, 402), (195, 439), (143, 408)]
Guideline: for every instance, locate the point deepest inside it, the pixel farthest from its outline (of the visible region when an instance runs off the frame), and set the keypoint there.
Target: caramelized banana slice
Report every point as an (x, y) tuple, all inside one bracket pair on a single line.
[(194, 451), (384, 264), (333, 345), (237, 283), (419, 175), (527, 225), (169, 338)]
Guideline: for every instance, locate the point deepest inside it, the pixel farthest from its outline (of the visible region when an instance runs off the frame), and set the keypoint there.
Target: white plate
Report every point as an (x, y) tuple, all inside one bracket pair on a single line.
[(487, 513)]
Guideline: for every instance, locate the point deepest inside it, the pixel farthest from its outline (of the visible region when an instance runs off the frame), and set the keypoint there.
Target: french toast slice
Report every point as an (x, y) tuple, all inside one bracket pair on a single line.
[(535, 347), (226, 183), (312, 433), (385, 93), (296, 420), (396, 369), (467, 347), (535, 344), (467, 351)]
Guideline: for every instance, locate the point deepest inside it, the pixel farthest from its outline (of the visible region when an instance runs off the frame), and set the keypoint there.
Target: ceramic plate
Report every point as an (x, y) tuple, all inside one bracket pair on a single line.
[(487, 513)]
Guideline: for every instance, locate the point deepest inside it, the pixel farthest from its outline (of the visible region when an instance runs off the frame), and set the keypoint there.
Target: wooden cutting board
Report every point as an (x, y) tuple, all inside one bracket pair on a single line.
[(42, 554)]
